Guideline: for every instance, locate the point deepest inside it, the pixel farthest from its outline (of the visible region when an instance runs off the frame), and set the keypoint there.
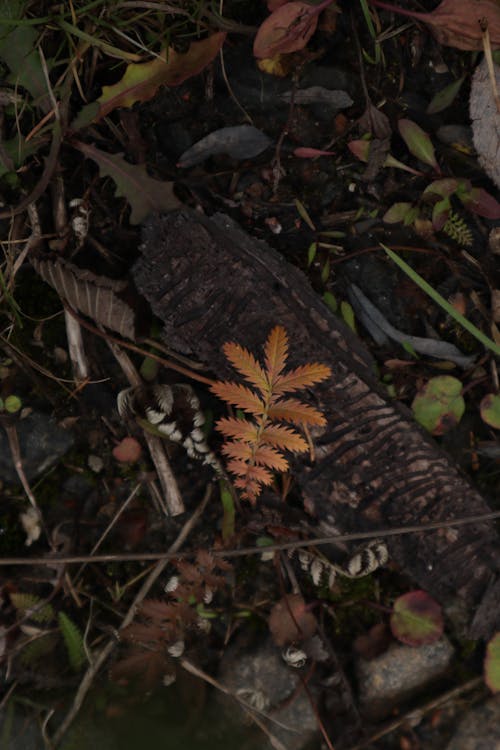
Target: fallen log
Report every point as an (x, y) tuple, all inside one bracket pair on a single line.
[(209, 282)]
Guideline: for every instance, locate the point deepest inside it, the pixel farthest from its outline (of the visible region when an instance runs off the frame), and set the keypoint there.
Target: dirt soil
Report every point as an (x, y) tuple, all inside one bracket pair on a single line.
[(86, 489)]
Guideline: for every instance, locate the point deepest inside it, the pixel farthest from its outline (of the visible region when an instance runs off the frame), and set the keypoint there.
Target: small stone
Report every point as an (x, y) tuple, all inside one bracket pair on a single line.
[(400, 673), (479, 729)]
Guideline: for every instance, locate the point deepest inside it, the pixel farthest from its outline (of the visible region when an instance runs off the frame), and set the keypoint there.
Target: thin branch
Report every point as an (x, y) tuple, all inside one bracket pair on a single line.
[(302, 544)]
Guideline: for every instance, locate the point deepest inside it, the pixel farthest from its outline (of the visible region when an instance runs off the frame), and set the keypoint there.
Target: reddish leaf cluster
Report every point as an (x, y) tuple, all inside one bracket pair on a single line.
[(165, 622), (255, 445)]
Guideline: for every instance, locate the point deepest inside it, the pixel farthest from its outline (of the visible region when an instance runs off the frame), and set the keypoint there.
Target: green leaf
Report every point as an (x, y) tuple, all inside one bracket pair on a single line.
[(348, 315), (445, 97), (228, 511), (18, 51), (439, 405), (439, 300), (397, 213), (417, 619), (142, 80), (490, 410), (145, 194), (418, 142), (330, 300), (12, 404), (311, 253), (33, 607), (73, 640), (492, 664)]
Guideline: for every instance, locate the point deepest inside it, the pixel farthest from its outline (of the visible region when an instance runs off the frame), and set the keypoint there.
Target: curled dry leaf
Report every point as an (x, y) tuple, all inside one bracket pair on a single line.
[(101, 299)]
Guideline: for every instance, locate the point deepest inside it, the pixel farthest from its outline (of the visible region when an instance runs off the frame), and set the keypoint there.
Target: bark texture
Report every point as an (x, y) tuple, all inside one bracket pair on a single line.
[(209, 282)]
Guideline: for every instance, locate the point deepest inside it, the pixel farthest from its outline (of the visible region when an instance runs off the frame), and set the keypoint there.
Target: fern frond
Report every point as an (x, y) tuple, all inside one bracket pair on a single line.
[(255, 446), (238, 449), (276, 353), (243, 361), (240, 429), (73, 640), (294, 411), (239, 396), (456, 228), (249, 473), (284, 437), (301, 377), (271, 458)]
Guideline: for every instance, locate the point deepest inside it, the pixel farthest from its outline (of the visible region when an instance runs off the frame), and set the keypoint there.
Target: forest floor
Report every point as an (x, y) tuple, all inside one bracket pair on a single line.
[(347, 136)]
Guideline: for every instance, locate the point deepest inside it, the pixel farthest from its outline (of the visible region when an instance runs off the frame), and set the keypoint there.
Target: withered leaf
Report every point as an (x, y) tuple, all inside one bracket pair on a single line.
[(98, 297), (458, 23)]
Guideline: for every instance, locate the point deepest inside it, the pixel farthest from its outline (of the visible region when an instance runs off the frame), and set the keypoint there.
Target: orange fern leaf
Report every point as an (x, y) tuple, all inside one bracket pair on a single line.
[(301, 377), (255, 446), (241, 429), (292, 410), (243, 361), (271, 458), (239, 450), (276, 353), (239, 396), (284, 437)]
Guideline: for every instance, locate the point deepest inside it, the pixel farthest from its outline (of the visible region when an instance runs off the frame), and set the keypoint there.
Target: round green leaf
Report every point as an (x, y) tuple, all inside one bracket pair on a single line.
[(439, 406), (492, 664), (417, 619), (12, 404), (490, 410)]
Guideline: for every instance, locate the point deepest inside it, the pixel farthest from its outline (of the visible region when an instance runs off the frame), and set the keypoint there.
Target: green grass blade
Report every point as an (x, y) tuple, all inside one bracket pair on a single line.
[(439, 300)]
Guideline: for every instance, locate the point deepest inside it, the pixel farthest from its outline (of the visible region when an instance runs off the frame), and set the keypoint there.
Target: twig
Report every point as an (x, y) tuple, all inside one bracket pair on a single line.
[(302, 544), (444, 698), (166, 476), (94, 668)]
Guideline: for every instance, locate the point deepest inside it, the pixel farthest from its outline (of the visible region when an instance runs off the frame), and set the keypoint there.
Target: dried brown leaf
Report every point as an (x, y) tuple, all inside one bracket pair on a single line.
[(99, 298)]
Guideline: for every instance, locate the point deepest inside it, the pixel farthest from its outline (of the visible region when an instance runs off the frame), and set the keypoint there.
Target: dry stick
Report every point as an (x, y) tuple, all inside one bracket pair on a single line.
[(166, 476), (127, 345), (94, 668), (74, 337), (110, 525), (303, 544)]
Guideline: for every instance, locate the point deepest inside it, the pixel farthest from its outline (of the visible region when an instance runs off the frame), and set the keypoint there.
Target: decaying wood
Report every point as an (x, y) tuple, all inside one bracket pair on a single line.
[(209, 282)]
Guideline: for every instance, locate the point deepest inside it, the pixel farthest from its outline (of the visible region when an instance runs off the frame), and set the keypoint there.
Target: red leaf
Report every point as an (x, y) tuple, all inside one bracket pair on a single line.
[(288, 29), (458, 23), (417, 619), (304, 152), (482, 203)]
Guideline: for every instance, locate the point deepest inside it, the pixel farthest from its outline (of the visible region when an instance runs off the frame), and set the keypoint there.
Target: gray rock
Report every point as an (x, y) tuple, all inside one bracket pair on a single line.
[(479, 729), (260, 677), (399, 674), (42, 443)]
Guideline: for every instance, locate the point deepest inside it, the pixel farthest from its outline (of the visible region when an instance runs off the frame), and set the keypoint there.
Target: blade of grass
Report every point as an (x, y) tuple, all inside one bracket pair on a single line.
[(371, 29), (439, 300)]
